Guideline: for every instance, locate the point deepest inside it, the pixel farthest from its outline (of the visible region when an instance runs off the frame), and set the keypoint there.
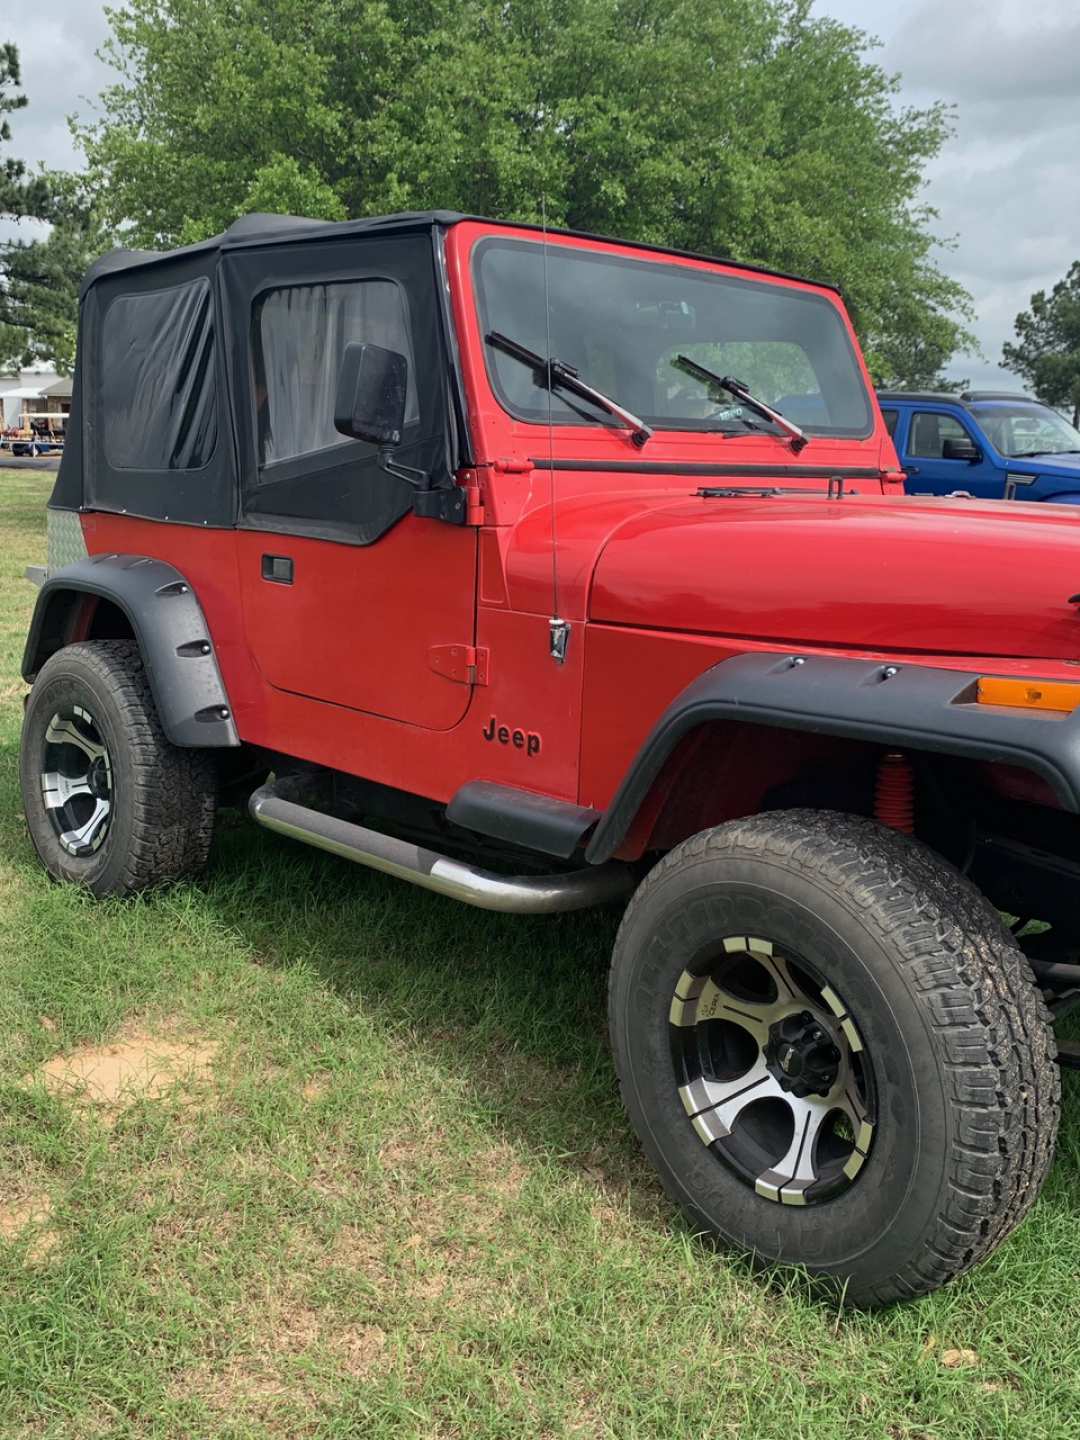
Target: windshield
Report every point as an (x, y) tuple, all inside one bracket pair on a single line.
[(1018, 430), (623, 323)]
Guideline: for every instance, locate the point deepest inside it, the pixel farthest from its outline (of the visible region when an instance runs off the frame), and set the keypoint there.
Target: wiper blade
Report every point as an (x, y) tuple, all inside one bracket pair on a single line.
[(1034, 454), (557, 374), (741, 392)]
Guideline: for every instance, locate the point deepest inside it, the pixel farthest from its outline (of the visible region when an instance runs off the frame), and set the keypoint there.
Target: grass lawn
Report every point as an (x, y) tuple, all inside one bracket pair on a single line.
[(302, 1151)]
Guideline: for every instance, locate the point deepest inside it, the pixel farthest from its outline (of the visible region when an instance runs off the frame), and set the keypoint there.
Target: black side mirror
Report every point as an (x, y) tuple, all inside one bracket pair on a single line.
[(964, 449), (370, 401)]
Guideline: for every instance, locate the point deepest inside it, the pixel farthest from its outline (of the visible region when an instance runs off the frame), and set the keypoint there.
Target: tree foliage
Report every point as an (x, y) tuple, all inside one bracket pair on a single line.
[(22, 195), (1047, 349), (39, 277), (39, 280), (741, 127)]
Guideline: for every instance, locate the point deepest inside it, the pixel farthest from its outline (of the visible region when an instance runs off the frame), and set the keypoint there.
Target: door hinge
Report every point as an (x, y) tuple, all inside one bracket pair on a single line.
[(464, 664)]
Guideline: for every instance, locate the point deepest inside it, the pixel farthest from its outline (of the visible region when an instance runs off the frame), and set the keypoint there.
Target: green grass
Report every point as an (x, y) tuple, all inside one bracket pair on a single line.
[(402, 1200)]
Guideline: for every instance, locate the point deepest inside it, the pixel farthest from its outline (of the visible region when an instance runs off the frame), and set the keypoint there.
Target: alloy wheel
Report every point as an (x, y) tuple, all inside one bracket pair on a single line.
[(772, 1070), (77, 780)]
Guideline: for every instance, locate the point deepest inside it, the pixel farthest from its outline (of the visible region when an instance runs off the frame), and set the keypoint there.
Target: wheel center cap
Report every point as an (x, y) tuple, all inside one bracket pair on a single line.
[(98, 779), (803, 1055)]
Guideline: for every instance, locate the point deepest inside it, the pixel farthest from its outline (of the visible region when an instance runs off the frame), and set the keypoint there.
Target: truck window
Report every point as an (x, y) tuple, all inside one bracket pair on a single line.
[(622, 321), (891, 417), (158, 383), (301, 332), (929, 431)]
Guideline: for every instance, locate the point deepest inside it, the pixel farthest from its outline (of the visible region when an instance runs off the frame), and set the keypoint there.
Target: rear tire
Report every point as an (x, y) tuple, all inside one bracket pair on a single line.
[(110, 804), (901, 1145)]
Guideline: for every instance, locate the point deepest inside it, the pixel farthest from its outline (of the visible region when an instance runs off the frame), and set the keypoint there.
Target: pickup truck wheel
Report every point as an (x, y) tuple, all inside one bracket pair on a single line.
[(109, 802), (834, 1052)]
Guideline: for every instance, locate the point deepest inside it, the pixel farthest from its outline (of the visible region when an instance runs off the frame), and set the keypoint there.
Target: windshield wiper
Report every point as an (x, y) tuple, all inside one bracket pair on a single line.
[(741, 392), (1034, 454), (554, 374)]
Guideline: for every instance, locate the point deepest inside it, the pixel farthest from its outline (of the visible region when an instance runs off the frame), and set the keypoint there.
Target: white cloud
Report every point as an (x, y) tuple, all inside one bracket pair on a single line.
[(1005, 185)]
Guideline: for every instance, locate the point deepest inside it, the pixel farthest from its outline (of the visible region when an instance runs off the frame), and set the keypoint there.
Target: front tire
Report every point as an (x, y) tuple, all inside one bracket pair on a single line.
[(834, 1052), (110, 804)]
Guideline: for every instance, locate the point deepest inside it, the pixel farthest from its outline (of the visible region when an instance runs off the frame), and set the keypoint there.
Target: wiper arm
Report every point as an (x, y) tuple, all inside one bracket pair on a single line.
[(557, 374), (740, 391)]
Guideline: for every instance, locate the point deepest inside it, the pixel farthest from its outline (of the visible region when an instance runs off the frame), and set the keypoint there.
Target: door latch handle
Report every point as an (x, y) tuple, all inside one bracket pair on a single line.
[(278, 568)]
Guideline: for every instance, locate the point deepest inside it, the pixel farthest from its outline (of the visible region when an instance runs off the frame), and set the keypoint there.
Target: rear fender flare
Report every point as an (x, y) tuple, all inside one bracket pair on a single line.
[(914, 707), (170, 630)]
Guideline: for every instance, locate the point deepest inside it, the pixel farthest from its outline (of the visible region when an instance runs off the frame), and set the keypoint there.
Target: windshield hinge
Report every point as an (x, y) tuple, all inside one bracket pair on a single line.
[(449, 503), (464, 664)]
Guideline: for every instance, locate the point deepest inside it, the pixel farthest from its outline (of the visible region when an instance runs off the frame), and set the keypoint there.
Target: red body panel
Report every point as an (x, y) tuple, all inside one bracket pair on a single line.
[(346, 630), (658, 585), (902, 575)]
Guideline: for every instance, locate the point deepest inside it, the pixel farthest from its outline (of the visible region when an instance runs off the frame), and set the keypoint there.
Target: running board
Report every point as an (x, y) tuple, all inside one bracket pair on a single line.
[(511, 894)]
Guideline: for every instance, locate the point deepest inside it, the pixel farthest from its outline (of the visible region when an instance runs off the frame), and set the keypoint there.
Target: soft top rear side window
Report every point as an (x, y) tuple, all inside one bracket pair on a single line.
[(157, 381)]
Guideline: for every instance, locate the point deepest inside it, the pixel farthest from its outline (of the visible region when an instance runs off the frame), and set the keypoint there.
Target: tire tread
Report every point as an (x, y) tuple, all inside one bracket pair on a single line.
[(990, 1023)]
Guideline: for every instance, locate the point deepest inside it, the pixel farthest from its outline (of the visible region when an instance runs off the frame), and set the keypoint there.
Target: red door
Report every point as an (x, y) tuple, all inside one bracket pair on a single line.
[(346, 592), (356, 624)]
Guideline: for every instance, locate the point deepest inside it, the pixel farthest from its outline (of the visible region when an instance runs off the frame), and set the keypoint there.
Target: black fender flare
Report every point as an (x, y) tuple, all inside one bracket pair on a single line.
[(909, 706), (170, 630)]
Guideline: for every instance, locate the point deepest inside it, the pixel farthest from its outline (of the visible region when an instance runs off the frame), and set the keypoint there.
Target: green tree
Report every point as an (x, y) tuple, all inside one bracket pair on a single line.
[(742, 127), (39, 278), (1047, 352), (22, 195)]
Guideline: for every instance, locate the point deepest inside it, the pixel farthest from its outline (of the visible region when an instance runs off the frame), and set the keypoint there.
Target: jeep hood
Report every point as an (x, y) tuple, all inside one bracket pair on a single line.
[(942, 577)]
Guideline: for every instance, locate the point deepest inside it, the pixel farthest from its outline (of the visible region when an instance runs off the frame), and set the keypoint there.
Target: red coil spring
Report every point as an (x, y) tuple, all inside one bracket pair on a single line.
[(894, 793)]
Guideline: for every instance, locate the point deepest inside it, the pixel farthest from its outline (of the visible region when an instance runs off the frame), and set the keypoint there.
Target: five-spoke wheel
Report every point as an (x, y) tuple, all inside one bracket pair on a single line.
[(76, 780), (110, 803), (773, 1071), (833, 1051)]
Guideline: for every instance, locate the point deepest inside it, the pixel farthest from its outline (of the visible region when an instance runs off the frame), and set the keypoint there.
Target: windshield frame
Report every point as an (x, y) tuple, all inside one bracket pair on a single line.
[(680, 426)]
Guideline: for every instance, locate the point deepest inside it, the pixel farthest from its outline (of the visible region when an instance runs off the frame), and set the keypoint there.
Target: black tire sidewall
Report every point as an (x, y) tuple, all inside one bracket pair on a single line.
[(68, 679), (873, 1226)]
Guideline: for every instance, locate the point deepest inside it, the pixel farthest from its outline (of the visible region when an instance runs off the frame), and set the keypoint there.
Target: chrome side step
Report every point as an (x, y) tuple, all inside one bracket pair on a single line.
[(511, 894)]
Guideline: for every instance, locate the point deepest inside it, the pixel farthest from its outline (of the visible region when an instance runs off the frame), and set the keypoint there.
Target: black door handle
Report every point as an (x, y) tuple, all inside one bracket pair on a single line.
[(278, 568)]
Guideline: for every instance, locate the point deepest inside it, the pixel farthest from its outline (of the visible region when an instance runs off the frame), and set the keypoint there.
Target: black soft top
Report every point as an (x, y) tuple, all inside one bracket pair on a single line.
[(171, 404), (259, 229), (269, 229)]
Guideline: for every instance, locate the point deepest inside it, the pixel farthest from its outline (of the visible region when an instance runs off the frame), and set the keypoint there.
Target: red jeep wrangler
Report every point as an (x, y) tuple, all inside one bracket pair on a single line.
[(463, 546)]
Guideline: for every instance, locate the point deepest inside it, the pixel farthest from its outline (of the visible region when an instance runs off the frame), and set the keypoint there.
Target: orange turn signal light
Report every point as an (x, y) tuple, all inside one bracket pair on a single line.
[(1062, 696)]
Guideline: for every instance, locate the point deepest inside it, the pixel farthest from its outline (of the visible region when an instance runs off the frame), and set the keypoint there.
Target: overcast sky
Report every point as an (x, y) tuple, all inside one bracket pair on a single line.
[(1006, 185)]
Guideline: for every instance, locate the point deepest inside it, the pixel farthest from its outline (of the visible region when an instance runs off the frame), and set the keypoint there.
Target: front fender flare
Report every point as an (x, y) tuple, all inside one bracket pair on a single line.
[(908, 706), (169, 627)]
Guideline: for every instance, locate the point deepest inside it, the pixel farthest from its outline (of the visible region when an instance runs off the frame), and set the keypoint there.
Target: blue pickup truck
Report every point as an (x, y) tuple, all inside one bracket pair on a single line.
[(985, 443)]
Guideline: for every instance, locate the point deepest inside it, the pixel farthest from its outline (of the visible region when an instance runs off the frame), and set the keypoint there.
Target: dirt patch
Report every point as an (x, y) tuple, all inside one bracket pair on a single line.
[(142, 1066), (29, 1216), (361, 1350), (359, 1251), (271, 1371)]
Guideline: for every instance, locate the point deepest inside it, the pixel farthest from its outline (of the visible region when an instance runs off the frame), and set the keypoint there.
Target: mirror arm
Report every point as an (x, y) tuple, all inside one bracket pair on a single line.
[(418, 479), (448, 504)]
